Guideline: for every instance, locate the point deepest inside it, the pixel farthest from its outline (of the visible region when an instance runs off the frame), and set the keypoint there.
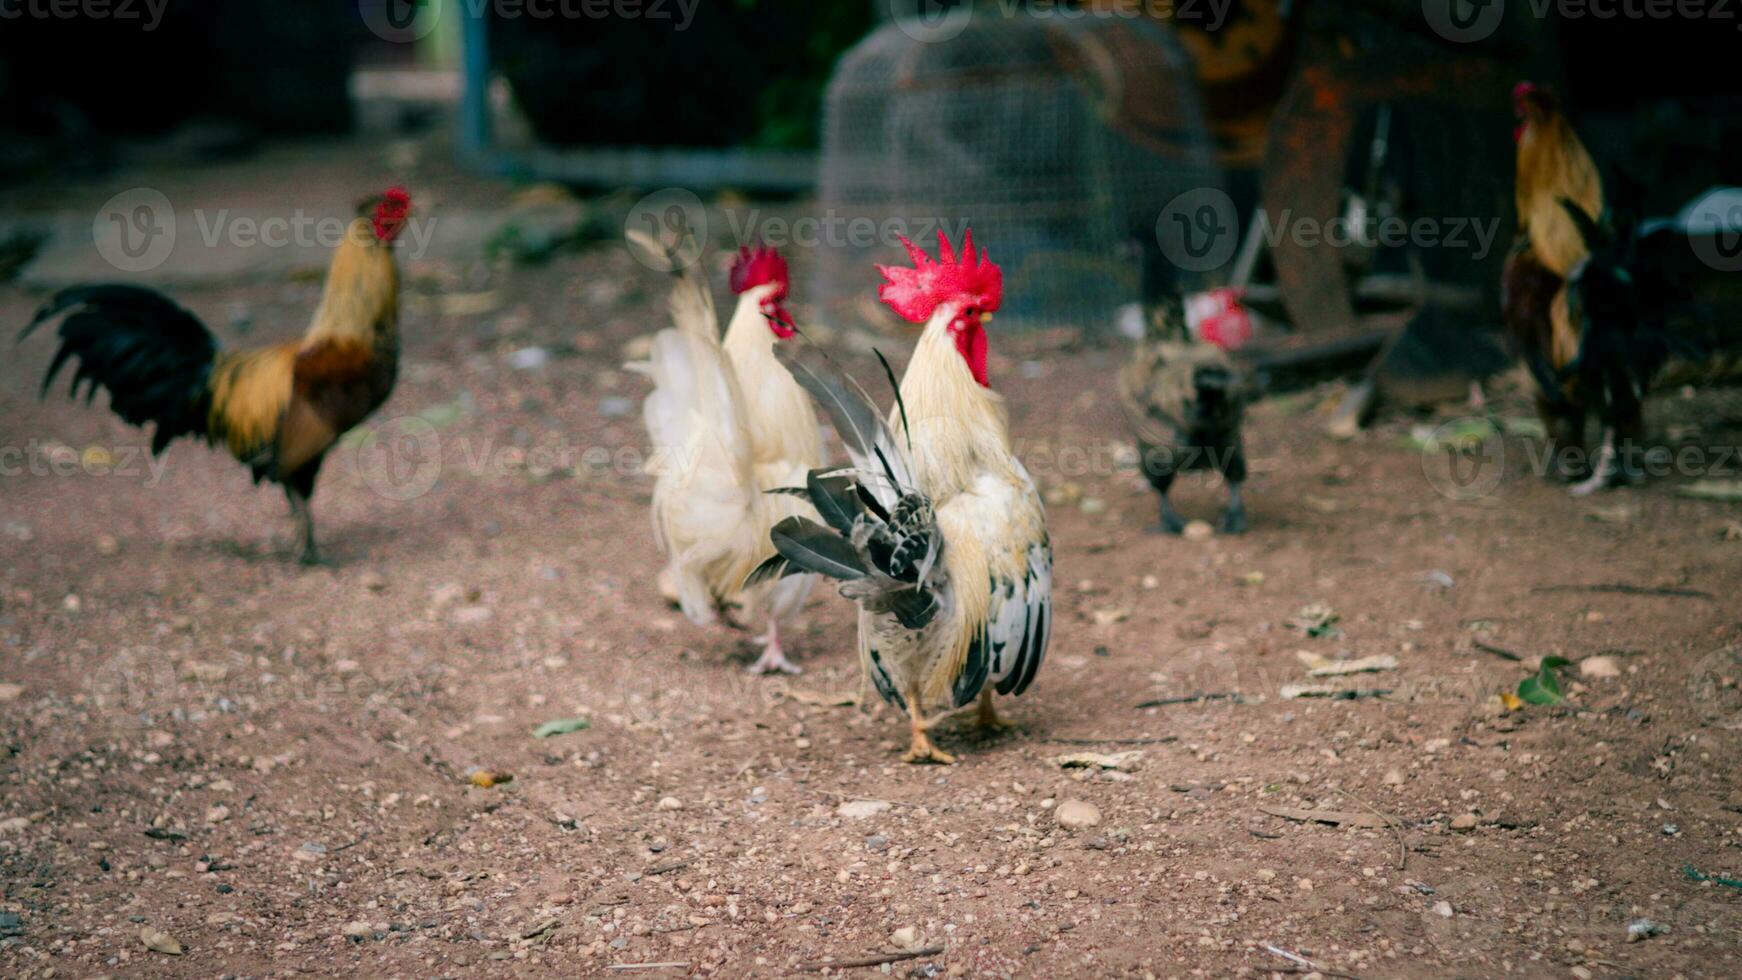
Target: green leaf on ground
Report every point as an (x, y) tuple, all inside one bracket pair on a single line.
[(561, 726), (1545, 686)]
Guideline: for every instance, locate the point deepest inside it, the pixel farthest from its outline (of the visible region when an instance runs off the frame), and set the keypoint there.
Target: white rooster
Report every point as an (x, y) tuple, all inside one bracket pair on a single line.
[(727, 423), (937, 531)]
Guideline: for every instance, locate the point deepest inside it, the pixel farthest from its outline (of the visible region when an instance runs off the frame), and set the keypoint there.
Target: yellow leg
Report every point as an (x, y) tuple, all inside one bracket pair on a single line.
[(987, 718), (922, 750)]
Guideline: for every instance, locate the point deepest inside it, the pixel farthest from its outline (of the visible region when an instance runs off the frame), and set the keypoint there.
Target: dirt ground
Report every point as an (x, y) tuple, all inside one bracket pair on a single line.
[(274, 766)]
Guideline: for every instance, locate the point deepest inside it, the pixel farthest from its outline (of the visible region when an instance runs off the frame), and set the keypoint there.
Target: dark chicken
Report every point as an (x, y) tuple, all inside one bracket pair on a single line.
[(1184, 402), (278, 409)]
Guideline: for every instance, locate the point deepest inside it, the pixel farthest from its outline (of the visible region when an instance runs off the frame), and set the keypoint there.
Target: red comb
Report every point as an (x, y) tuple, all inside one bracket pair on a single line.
[(755, 268), (390, 214), (916, 293)]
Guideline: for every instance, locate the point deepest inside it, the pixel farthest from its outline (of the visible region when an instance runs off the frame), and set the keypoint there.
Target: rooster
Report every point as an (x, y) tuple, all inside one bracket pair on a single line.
[(938, 535), (728, 423), (1553, 166), (278, 409), (1184, 401)]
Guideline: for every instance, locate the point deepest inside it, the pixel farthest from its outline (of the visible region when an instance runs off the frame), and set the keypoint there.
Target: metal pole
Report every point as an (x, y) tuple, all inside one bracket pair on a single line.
[(475, 99)]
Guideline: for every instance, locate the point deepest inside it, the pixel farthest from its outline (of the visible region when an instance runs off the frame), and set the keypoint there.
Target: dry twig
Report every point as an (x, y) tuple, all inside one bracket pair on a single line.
[(878, 960)]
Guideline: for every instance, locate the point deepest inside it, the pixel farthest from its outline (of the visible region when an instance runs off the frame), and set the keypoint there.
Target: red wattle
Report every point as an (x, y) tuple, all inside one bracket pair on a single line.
[(971, 344)]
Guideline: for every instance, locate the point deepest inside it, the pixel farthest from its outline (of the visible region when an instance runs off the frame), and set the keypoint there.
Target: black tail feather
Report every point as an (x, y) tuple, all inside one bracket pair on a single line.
[(153, 357)]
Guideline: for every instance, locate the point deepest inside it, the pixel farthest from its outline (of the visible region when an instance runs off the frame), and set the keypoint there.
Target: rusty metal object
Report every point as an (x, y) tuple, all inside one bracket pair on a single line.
[(1312, 137)]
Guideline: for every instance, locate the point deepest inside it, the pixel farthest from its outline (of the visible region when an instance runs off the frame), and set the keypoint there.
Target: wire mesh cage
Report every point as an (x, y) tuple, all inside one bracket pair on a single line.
[(1059, 140)]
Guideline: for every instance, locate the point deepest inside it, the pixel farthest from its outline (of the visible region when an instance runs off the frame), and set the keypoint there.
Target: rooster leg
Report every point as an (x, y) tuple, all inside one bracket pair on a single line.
[(306, 552), (1603, 469), (922, 750), (668, 588), (1234, 518), (1171, 521), (773, 659), (987, 718)]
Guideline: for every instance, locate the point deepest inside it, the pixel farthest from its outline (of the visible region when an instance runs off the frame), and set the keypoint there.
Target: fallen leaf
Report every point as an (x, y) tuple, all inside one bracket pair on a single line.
[(561, 726), (861, 809), (1510, 701), (1342, 818), (1110, 617), (1123, 761), (1712, 489), (1325, 667), (159, 941), (486, 778), (1544, 687), (539, 928), (822, 700)]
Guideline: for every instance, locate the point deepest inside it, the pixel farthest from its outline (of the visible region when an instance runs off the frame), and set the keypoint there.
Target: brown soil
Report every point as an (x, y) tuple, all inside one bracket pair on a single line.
[(251, 757)]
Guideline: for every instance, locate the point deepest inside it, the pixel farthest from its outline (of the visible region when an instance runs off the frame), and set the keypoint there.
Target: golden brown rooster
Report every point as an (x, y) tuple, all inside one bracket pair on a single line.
[(1553, 166), (278, 409), (936, 530), (728, 424)]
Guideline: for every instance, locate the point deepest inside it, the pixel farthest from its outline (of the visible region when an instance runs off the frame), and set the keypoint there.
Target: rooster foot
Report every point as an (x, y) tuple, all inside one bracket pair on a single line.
[(988, 719), (1171, 523), (922, 751), (1234, 521), (667, 583), (773, 659), (925, 753)]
